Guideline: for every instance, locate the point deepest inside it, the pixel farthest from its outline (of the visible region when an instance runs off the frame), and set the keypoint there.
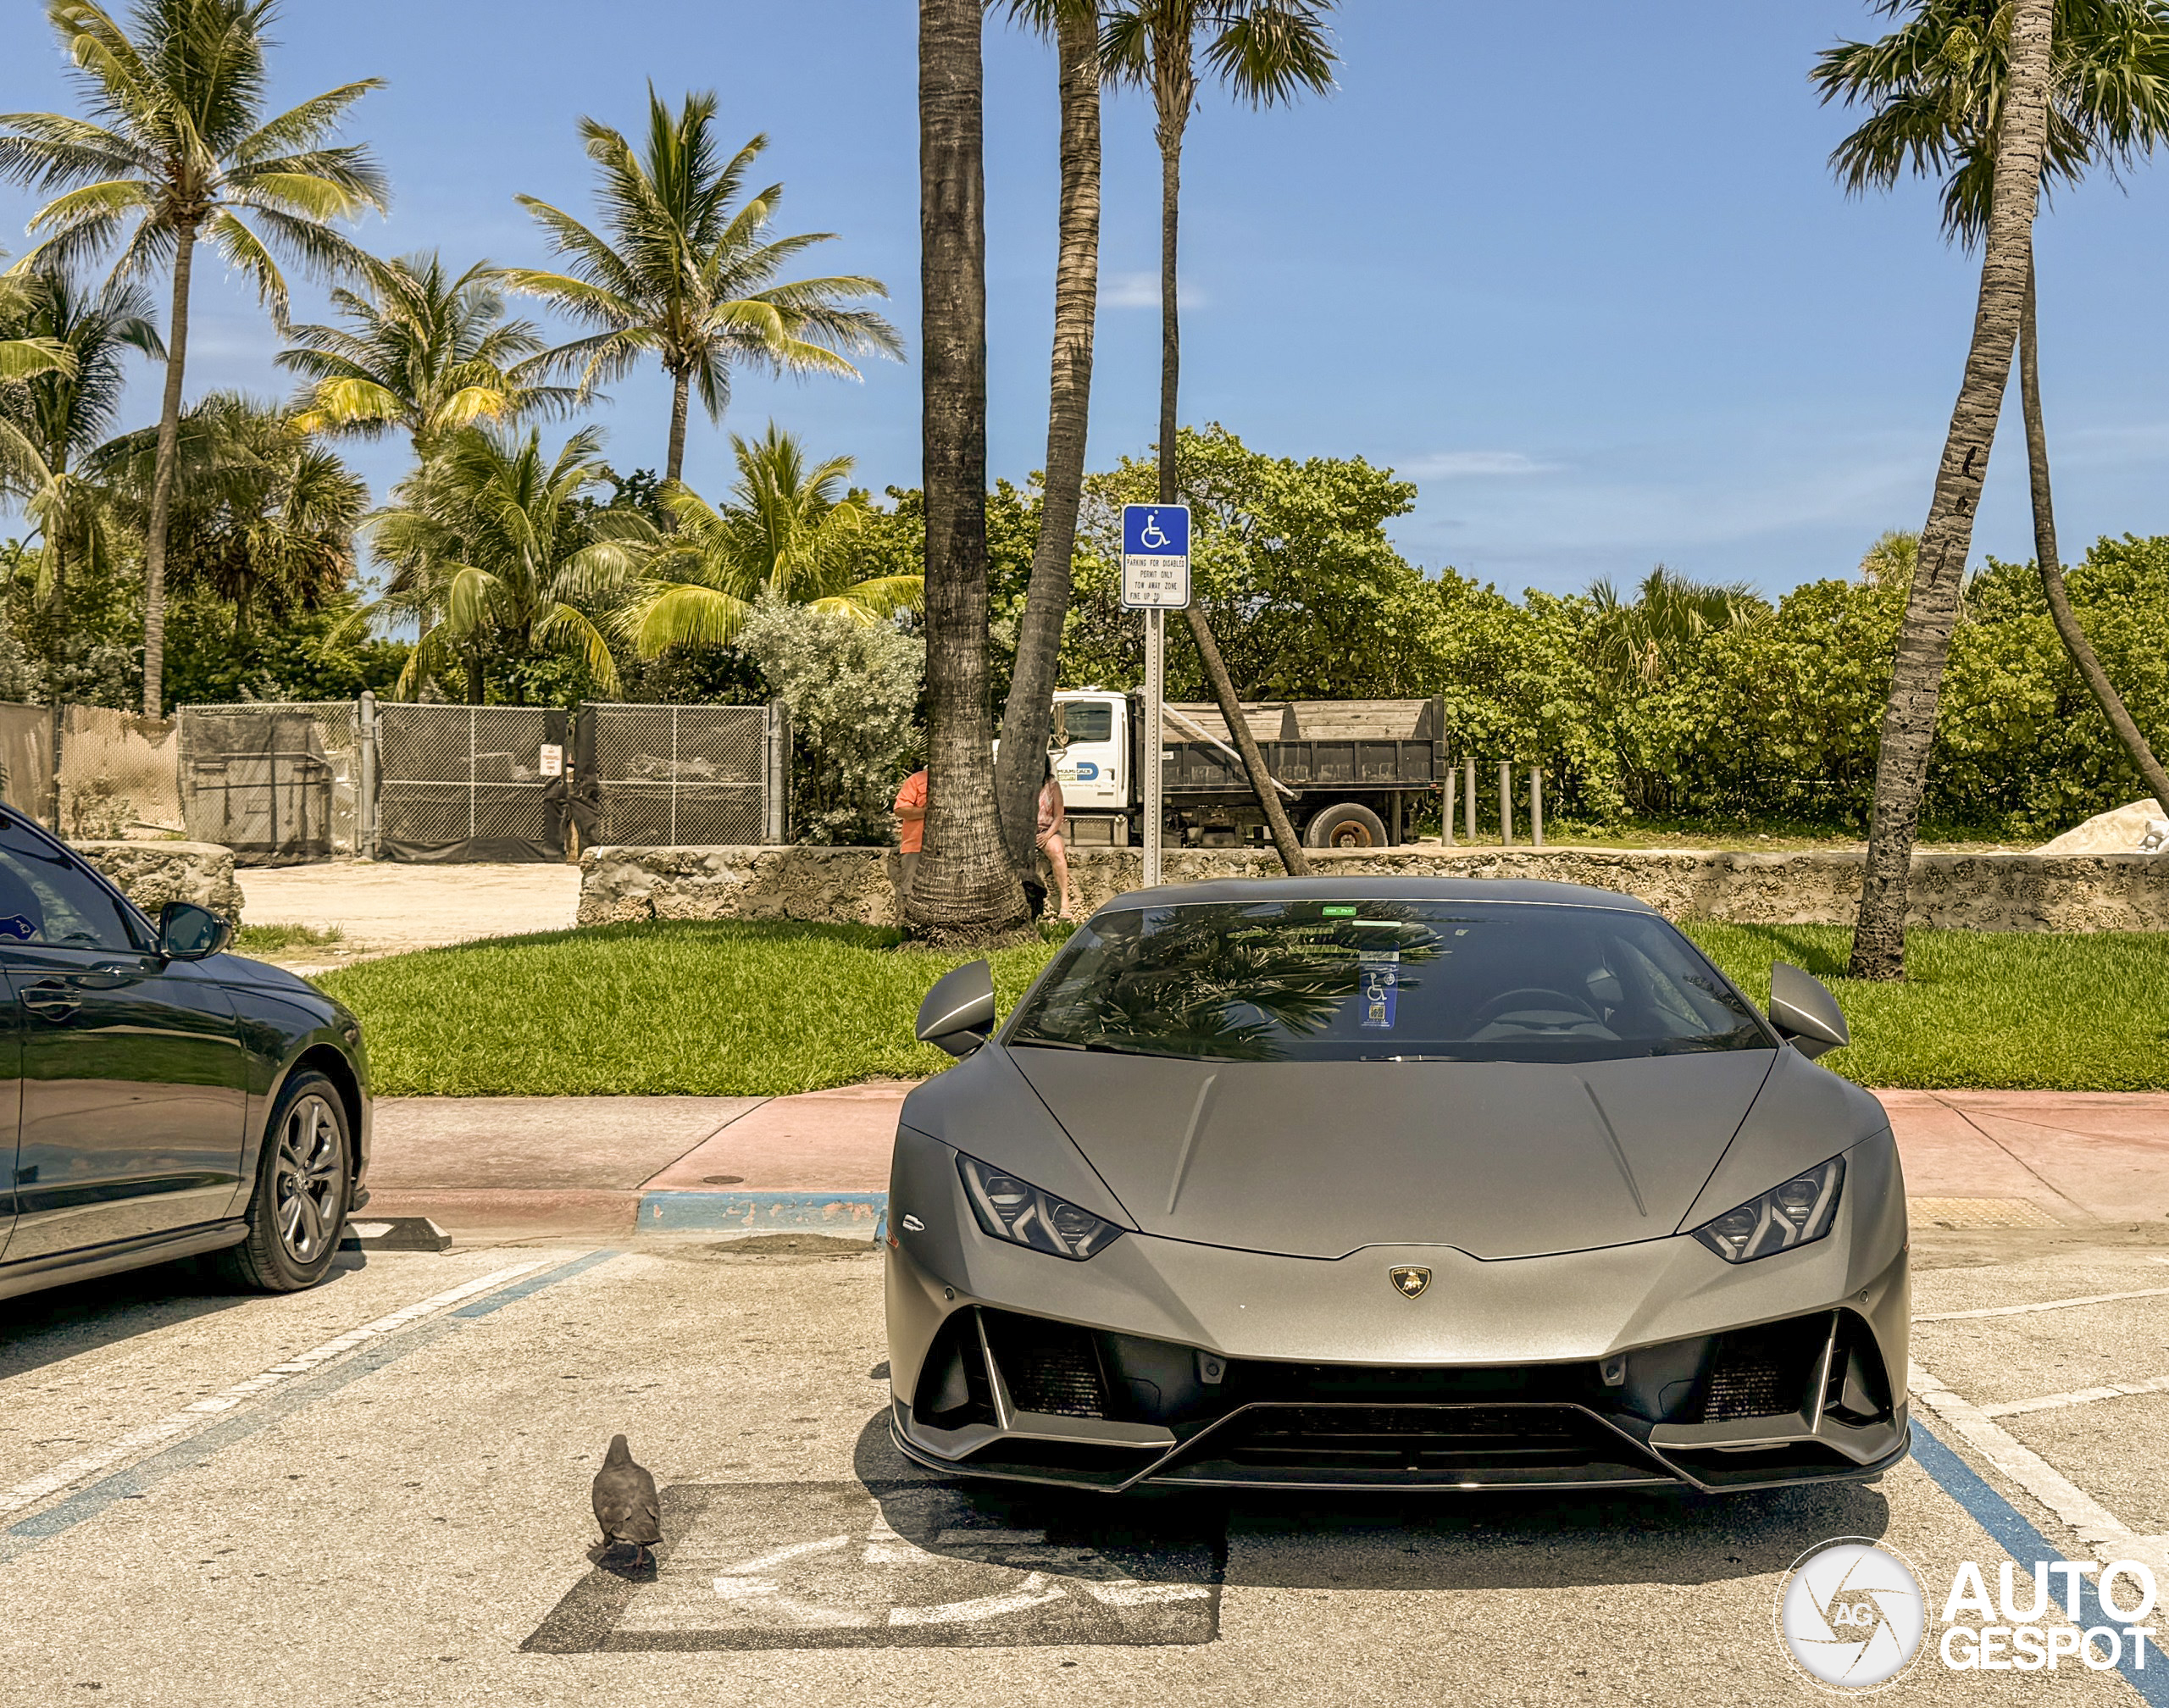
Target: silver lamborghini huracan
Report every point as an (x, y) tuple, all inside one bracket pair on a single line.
[(1332, 1184)]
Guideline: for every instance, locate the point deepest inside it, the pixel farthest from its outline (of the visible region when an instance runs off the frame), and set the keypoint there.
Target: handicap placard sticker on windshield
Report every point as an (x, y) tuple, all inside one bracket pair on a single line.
[(1378, 983)]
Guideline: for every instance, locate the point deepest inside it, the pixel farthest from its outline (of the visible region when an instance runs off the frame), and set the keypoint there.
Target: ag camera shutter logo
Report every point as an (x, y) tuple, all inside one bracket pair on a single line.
[(1850, 1614)]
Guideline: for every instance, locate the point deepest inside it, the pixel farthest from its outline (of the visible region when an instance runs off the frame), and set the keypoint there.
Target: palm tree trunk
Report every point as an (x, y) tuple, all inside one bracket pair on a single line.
[(2150, 770), (474, 684), (154, 543), (966, 891), (1024, 714), (682, 385), (1175, 90), (1931, 605)]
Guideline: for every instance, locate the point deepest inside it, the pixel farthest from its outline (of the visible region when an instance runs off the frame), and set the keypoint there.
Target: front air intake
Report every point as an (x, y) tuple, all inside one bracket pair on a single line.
[(1768, 1372), (1051, 1367)]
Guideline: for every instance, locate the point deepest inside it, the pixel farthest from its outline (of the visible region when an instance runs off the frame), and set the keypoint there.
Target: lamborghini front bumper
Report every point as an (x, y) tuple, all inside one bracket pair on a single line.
[(1160, 1362)]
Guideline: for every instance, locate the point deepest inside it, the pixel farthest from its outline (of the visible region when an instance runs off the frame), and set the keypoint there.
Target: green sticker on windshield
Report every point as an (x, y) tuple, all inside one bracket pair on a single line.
[(1332, 912)]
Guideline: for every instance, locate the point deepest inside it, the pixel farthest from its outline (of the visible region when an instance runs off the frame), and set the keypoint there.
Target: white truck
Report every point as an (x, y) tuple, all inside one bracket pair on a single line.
[(1349, 771)]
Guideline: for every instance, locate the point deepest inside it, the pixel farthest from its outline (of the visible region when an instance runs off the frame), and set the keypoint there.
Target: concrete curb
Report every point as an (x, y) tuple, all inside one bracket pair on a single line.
[(842, 1213)]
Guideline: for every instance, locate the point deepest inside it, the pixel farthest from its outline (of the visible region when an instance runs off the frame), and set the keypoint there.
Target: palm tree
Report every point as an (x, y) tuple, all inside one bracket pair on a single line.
[(422, 352), (793, 531), (178, 146), (682, 278), (24, 355), (1936, 83), (264, 514), (1640, 640), (966, 889), (49, 422), (499, 548), (1267, 52), (1891, 561), (1074, 24), (60, 404), (2019, 148)]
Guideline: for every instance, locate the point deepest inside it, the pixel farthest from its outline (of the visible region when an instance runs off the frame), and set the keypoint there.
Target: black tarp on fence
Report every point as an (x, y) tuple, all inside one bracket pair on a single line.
[(461, 782), (663, 775)]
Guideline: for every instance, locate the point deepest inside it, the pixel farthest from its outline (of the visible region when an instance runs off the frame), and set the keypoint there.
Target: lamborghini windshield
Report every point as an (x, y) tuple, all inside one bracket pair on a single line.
[(1385, 981)]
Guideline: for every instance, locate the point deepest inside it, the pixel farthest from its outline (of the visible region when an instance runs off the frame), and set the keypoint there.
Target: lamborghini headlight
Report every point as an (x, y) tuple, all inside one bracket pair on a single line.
[(1018, 1211), (1793, 1214)]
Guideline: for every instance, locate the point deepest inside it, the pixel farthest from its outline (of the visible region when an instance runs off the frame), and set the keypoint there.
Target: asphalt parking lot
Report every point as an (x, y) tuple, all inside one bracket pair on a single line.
[(378, 1492)]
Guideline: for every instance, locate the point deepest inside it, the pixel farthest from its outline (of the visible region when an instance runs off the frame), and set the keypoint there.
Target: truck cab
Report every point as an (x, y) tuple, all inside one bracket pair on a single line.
[(1091, 740)]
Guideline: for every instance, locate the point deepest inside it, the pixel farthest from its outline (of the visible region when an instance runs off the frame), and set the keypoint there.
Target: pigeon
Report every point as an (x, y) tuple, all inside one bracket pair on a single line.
[(625, 1505)]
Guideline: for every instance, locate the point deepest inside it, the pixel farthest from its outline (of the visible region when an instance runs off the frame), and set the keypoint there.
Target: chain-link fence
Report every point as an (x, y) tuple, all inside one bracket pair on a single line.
[(276, 781), (659, 776), (279, 781), (458, 782)]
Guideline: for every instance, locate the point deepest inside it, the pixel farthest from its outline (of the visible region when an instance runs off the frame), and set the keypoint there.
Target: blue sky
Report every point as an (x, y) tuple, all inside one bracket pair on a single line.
[(1577, 267)]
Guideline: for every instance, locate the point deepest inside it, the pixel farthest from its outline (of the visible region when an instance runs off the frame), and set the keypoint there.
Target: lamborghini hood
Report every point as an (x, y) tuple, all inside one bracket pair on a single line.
[(1319, 1159)]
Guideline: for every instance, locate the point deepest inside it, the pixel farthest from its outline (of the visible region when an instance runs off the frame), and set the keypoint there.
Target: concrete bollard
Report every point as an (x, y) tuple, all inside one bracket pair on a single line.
[(1536, 806)]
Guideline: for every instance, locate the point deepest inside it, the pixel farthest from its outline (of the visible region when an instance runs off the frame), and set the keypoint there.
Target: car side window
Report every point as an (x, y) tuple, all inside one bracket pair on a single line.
[(46, 897)]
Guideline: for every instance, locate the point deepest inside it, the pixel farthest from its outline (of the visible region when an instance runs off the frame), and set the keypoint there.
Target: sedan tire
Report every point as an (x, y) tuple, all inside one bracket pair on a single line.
[(299, 1207)]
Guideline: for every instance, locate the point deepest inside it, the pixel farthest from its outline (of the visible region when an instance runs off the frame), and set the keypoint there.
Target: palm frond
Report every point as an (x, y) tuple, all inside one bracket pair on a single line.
[(305, 125)]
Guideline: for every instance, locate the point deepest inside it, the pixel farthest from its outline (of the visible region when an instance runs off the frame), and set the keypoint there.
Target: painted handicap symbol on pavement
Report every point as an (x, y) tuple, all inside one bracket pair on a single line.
[(847, 1565)]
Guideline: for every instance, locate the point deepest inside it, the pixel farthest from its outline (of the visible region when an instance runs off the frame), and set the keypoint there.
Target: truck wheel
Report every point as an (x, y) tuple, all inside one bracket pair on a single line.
[(1345, 824)]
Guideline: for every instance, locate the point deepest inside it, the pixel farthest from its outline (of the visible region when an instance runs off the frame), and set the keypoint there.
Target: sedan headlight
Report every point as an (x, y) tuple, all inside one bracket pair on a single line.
[(1793, 1214), (1018, 1211)]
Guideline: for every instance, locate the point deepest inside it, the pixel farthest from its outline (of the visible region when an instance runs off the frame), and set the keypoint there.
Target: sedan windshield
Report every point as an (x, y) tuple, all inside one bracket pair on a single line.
[(1384, 981)]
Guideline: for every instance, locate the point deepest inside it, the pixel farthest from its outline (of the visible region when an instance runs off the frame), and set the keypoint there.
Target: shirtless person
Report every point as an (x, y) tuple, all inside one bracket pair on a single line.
[(1054, 821)]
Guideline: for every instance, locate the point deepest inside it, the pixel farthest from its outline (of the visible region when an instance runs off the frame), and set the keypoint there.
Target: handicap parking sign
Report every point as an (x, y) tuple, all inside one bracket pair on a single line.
[(1156, 557)]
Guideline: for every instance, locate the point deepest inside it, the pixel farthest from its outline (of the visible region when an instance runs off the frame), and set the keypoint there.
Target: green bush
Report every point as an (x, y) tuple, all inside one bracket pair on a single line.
[(853, 692)]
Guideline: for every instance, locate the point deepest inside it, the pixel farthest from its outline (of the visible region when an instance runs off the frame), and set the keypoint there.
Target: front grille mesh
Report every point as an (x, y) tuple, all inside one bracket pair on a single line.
[(1747, 1387), (1050, 1366), (1468, 1439), (1063, 1380), (1767, 1371)]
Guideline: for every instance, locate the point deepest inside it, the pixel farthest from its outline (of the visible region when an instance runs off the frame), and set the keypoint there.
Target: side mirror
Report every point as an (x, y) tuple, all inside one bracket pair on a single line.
[(189, 932), (1805, 1012), (959, 1013)]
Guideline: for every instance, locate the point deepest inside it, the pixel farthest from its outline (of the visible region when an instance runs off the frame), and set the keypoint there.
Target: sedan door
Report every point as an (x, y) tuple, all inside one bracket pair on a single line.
[(134, 1076), (11, 1108)]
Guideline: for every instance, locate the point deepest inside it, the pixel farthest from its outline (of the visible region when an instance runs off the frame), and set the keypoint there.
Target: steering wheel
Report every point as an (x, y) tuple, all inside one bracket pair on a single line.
[(1508, 1000)]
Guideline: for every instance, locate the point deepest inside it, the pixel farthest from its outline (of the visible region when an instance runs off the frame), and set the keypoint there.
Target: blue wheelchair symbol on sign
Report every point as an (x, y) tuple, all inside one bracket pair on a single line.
[(1155, 557), (1155, 530)]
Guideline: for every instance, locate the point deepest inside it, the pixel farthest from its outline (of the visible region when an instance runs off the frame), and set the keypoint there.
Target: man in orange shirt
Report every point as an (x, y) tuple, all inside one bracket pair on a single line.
[(910, 827)]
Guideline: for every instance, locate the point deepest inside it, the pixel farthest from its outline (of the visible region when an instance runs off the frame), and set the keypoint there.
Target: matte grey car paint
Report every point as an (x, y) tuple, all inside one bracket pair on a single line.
[(1269, 1201), (1314, 1159)]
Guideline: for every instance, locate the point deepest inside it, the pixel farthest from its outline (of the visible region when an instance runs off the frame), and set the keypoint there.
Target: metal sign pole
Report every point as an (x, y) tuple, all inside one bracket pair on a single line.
[(1156, 580), (1153, 745)]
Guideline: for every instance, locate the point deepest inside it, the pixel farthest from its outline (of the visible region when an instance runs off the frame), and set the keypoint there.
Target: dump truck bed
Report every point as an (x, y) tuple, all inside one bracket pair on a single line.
[(1337, 745)]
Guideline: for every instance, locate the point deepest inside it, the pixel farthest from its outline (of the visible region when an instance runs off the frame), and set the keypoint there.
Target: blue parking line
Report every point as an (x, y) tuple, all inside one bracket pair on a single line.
[(2011, 1530), (139, 1479), (532, 1283), (846, 1214)]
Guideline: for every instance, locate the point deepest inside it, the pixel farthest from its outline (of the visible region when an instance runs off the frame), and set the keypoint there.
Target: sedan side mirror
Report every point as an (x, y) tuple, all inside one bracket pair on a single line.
[(959, 1013), (189, 932), (1805, 1012)]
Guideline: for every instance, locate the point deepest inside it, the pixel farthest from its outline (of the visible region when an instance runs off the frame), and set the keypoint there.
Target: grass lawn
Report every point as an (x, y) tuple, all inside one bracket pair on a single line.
[(277, 939), (767, 1009)]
